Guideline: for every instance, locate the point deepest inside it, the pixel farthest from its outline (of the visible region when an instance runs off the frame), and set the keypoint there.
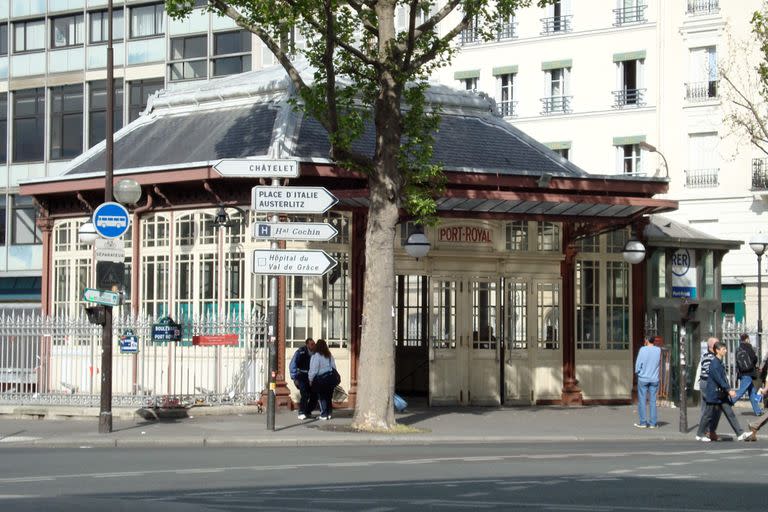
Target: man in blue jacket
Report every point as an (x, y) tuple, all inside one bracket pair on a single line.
[(299, 369), (647, 371)]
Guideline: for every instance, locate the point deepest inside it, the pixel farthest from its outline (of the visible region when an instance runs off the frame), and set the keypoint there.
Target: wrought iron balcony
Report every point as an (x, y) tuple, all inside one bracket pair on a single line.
[(702, 178), (556, 105), (507, 108), (628, 98), (760, 174), (626, 15), (701, 91), (556, 24), (701, 7), (507, 30), (470, 35)]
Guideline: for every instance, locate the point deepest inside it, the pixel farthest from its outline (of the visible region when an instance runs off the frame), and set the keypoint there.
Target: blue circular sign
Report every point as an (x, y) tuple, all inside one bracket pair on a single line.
[(111, 220)]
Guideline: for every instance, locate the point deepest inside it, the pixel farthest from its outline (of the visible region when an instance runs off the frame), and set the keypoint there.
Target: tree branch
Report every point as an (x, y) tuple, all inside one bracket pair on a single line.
[(360, 8), (752, 109), (431, 53), (411, 42)]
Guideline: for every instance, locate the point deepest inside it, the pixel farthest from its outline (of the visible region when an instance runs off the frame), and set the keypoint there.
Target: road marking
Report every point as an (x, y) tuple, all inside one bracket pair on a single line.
[(641, 468), (18, 439), (17, 496), (678, 463), (621, 471), (199, 471)]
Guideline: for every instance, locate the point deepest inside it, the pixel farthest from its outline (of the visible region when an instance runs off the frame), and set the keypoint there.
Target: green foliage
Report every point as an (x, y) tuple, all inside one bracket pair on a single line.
[(367, 70), (760, 30)]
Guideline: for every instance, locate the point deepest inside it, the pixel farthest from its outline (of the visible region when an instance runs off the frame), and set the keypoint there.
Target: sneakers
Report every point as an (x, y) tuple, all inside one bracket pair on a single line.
[(651, 426), (745, 436), (324, 418), (703, 439), (641, 425), (302, 416)]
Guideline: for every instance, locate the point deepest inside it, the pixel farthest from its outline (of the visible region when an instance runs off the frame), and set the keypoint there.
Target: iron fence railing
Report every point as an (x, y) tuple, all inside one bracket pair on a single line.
[(701, 91), (556, 105), (700, 7), (626, 15), (702, 178), (629, 98), (556, 24), (760, 174), (56, 360), (472, 35)]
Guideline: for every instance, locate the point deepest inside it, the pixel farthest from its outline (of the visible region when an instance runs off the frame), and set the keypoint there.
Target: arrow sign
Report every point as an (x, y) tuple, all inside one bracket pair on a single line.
[(291, 199), (252, 168), (102, 297), (312, 231), (291, 262)]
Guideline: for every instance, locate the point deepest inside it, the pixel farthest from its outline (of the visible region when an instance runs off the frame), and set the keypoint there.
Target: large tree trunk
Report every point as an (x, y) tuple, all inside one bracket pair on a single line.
[(376, 384)]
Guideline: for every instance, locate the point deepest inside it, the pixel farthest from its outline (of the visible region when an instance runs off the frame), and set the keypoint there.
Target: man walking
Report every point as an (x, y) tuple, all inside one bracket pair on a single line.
[(746, 371), (704, 364), (647, 371), (299, 369)]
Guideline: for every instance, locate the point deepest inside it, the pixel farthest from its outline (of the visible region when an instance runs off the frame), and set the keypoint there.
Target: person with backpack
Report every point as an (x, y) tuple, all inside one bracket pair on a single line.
[(746, 373)]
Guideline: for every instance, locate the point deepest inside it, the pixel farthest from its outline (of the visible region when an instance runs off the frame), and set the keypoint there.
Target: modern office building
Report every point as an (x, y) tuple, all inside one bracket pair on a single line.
[(53, 97), (600, 80)]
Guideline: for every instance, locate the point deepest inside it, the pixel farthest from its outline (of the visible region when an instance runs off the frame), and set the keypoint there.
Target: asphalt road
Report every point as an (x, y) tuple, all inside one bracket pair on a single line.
[(669, 476)]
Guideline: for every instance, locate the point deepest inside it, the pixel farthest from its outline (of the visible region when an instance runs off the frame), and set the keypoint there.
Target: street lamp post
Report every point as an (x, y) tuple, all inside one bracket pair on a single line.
[(652, 149), (758, 244)]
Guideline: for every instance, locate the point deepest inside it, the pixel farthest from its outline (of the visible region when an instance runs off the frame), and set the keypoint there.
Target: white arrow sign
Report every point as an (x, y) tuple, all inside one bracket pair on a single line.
[(102, 297), (311, 231), (252, 168), (291, 262), (291, 199)]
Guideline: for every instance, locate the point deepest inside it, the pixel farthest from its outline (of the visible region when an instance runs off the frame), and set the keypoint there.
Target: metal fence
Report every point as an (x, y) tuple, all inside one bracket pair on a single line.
[(56, 360)]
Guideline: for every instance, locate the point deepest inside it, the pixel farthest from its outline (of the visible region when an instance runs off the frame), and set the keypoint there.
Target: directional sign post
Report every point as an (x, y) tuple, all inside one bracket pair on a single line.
[(309, 231), (292, 262), (253, 168), (111, 220), (291, 199), (102, 297)]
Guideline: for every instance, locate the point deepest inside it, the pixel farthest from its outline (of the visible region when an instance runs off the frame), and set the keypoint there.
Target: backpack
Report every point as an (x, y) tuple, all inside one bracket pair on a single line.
[(743, 361)]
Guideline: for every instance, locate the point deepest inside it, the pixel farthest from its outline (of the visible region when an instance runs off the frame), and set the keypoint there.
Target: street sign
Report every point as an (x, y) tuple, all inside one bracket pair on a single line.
[(166, 330), (291, 199), (291, 262), (102, 297), (253, 168), (129, 342), (110, 274), (110, 249), (312, 231), (111, 220)]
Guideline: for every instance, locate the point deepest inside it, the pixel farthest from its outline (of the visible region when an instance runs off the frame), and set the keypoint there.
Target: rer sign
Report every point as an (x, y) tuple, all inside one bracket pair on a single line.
[(111, 220), (684, 273)]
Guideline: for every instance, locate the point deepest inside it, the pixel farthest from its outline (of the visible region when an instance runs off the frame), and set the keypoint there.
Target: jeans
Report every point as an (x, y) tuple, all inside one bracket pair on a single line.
[(308, 400), (710, 411), (746, 386), (646, 392)]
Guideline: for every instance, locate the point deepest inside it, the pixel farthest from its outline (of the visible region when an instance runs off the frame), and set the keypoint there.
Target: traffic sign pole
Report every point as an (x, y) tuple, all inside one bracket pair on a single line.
[(272, 333)]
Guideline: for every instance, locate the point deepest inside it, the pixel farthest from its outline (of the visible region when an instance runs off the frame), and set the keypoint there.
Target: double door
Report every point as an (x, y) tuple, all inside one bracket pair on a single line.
[(491, 337)]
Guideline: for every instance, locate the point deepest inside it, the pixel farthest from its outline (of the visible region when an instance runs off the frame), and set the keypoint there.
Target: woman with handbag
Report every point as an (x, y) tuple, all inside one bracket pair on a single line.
[(717, 394), (323, 377)]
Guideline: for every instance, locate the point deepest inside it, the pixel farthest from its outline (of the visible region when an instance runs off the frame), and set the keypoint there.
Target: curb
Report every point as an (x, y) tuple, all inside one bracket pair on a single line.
[(28, 412)]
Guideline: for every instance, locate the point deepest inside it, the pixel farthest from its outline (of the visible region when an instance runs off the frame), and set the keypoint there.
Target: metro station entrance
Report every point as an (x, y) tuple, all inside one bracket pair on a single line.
[(491, 338)]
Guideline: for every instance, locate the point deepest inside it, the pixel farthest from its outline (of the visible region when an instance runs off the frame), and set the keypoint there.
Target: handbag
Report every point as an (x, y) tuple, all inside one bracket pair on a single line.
[(335, 377)]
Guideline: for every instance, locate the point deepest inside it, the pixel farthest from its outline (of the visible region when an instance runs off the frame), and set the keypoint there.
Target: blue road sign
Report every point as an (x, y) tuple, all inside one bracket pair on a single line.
[(111, 220)]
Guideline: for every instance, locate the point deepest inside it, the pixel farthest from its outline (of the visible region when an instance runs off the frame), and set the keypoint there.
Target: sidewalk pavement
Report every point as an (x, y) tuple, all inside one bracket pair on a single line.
[(244, 426)]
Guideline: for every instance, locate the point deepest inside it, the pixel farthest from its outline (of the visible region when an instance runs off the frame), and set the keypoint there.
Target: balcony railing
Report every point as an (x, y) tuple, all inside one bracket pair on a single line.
[(702, 178), (701, 91), (507, 30), (629, 98), (507, 108), (701, 7), (556, 105), (760, 174), (556, 24), (626, 15), (470, 35)]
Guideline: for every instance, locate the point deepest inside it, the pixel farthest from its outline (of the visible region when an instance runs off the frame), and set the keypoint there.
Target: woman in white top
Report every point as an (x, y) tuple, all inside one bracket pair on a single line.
[(321, 378)]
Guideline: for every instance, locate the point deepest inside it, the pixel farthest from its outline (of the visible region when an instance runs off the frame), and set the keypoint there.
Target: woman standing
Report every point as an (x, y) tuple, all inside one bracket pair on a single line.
[(321, 377), (717, 393)]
